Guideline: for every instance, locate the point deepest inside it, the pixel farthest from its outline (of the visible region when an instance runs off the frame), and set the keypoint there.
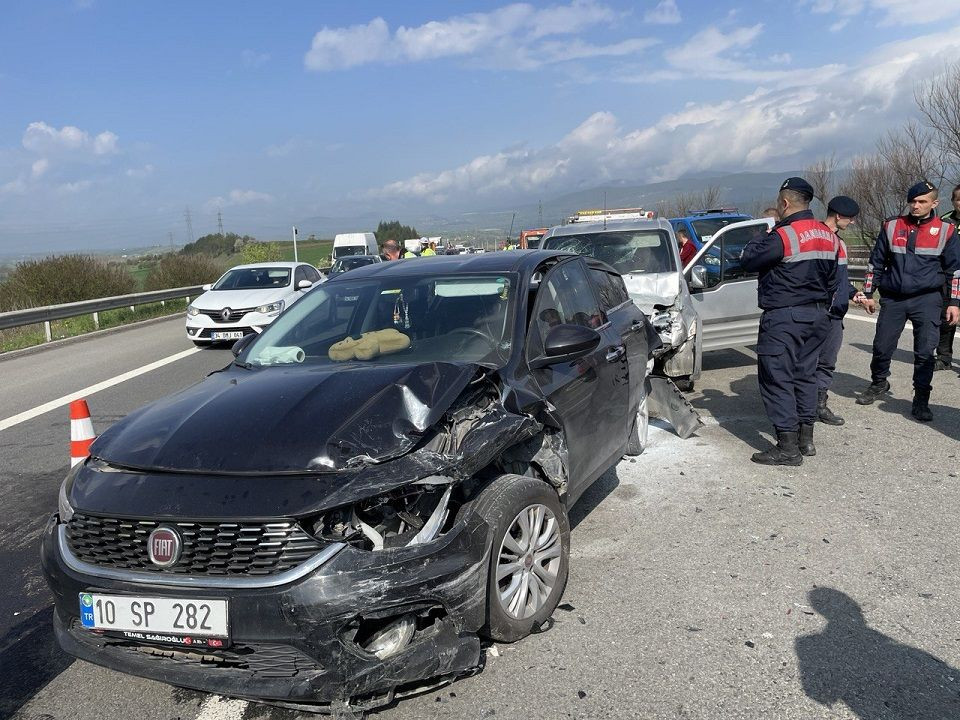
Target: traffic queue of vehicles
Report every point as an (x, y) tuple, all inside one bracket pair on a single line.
[(392, 488)]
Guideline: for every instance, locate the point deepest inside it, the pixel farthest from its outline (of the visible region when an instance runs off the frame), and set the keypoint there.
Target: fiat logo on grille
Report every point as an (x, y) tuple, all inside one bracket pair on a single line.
[(163, 546), (225, 314)]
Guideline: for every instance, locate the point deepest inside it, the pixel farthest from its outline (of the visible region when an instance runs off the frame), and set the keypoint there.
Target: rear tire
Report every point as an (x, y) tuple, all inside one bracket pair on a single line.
[(529, 541)]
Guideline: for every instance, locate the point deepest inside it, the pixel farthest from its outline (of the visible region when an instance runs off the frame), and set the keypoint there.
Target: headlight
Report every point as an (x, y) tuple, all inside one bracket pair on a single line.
[(410, 515), (271, 308), (64, 508), (192, 311)]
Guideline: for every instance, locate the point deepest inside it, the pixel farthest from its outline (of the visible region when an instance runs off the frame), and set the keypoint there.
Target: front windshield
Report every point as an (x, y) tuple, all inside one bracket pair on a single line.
[(433, 318), (350, 263), (258, 278), (709, 227), (627, 251)]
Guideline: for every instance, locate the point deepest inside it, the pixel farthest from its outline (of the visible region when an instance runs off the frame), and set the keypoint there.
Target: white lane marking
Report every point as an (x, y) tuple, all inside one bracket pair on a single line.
[(860, 318), (91, 389), (219, 708)]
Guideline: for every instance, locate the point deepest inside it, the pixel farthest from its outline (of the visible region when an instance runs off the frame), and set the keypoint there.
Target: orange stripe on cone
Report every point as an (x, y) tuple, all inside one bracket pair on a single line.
[(81, 432)]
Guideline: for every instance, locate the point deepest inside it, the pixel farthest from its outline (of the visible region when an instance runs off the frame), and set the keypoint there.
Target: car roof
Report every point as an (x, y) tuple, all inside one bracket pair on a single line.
[(268, 265), (581, 228), (709, 215), (501, 261)]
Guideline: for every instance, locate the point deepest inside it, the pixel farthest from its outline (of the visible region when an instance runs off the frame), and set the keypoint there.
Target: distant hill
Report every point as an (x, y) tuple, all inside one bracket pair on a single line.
[(744, 190)]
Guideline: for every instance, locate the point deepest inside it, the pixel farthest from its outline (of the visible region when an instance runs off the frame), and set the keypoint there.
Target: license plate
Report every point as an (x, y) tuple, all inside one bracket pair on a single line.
[(160, 619), (234, 335)]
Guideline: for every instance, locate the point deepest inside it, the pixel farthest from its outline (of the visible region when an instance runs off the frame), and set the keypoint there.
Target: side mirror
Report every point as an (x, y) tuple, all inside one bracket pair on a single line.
[(698, 277), (207, 287), (240, 345), (565, 343), (304, 285)]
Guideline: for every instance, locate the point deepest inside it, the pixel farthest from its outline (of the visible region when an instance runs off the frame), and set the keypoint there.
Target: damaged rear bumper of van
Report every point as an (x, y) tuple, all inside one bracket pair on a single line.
[(354, 633)]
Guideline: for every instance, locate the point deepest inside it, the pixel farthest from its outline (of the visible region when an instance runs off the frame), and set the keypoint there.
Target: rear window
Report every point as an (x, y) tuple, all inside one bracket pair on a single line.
[(708, 227)]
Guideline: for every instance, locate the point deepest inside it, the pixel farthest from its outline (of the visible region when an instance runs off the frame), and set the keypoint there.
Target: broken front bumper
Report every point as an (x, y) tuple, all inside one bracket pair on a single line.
[(299, 642)]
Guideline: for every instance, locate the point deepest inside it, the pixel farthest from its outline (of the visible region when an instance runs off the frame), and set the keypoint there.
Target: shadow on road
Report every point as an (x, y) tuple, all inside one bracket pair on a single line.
[(946, 419), (876, 676), (740, 412), (594, 495), (29, 658)]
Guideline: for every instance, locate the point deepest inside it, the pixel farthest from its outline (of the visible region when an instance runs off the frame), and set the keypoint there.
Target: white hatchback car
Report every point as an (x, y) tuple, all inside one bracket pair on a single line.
[(246, 298)]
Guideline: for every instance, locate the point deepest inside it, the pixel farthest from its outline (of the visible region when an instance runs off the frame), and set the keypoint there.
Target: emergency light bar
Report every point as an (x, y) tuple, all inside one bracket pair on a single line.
[(597, 215)]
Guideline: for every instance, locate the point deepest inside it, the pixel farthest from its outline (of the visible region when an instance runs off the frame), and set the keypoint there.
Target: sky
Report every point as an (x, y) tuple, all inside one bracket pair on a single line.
[(115, 116)]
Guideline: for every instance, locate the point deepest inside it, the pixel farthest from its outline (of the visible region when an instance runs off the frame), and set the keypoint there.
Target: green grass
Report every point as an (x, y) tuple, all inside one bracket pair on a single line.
[(30, 335), (315, 252)]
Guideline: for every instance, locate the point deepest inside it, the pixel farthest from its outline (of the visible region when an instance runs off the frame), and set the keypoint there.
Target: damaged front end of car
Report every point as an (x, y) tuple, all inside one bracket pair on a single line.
[(358, 581)]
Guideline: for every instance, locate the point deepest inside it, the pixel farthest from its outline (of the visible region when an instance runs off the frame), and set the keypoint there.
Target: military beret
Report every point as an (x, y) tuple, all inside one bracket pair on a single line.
[(798, 184), (843, 205), (921, 188)]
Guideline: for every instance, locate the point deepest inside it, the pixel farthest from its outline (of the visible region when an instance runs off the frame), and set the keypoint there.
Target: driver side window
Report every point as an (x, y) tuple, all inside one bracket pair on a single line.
[(565, 297), (722, 258)]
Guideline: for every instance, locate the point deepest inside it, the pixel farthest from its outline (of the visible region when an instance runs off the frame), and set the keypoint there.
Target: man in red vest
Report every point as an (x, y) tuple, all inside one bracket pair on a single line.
[(797, 262), (915, 255)]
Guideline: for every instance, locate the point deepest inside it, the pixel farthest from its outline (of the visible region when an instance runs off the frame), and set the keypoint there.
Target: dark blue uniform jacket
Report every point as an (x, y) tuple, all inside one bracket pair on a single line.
[(789, 284), (914, 263)]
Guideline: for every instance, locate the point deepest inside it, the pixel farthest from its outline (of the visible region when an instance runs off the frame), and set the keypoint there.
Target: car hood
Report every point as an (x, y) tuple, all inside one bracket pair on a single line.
[(287, 419), (649, 289), (219, 299)]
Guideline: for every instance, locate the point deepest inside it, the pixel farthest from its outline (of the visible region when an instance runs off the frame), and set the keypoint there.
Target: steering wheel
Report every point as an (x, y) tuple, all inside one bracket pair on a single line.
[(469, 331)]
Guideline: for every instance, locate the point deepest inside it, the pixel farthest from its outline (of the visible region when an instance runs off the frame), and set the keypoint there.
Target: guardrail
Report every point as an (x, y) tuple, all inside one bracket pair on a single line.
[(35, 316)]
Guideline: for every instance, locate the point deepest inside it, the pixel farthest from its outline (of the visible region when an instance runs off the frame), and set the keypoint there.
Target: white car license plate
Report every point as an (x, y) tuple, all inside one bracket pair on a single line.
[(166, 619), (232, 335)]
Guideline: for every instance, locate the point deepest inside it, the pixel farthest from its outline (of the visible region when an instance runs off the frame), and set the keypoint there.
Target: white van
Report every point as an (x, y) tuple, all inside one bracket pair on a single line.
[(346, 244)]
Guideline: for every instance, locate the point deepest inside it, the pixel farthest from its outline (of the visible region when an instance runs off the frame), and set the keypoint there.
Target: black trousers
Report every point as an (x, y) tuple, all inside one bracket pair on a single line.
[(827, 360), (947, 333), (924, 312), (788, 346)]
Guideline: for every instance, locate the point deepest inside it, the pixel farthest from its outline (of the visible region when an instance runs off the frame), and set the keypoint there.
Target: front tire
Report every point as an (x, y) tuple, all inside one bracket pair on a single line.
[(529, 542), (641, 430)]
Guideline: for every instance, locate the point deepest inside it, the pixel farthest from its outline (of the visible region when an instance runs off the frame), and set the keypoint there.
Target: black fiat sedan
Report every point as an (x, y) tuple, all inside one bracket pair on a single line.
[(378, 481)]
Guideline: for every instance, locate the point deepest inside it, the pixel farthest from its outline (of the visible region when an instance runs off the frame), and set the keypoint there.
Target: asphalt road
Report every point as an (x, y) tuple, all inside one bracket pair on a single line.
[(701, 585)]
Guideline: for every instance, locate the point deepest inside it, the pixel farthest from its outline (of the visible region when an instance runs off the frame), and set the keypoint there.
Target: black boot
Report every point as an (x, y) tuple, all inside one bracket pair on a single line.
[(825, 414), (785, 452), (921, 406), (873, 392), (805, 440)]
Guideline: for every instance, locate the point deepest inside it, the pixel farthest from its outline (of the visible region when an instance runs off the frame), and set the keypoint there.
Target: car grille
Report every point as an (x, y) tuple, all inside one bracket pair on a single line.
[(262, 660), (221, 549), (235, 315)]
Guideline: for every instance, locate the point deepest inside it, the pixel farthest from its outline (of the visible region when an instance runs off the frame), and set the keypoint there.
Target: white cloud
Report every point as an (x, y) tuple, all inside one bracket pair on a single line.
[(764, 129), (39, 167), (237, 197), (44, 139), (138, 173), (502, 37), (781, 58), (14, 187), (891, 12), (72, 188), (706, 50), (665, 13), (254, 59)]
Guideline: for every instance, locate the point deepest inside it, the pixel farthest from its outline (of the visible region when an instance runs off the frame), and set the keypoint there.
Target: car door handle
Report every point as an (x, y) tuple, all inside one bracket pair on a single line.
[(615, 353), (637, 326)]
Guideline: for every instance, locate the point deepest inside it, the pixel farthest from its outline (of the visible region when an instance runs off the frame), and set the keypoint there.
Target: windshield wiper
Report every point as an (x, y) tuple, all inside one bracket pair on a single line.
[(244, 365)]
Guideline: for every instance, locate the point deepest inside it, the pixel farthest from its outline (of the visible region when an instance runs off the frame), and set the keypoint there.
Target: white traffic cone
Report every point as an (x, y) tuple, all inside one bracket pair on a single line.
[(81, 432)]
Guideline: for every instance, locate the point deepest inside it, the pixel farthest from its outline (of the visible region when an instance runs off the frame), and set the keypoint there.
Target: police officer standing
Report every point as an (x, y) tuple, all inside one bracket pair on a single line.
[(797, 262), (841, 212), (915, 255)]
